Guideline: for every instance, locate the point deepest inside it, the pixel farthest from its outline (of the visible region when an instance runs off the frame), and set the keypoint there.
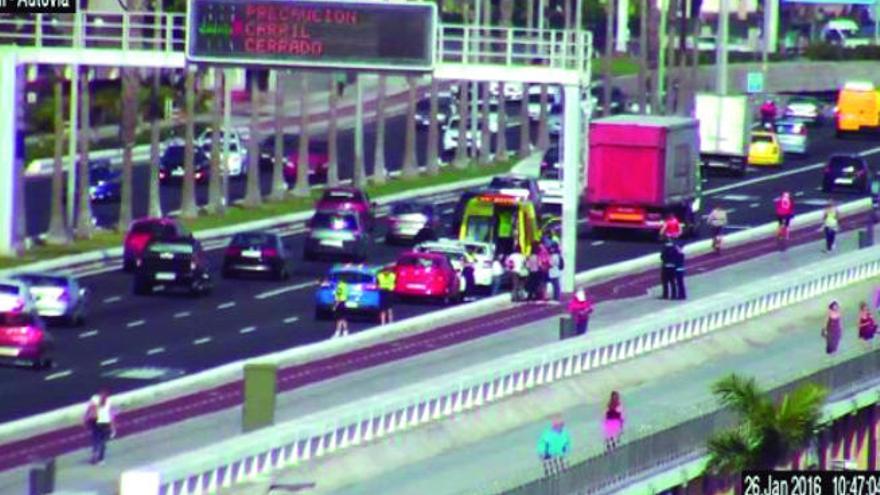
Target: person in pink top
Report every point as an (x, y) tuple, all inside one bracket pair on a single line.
[(612, 426), (580, 308)]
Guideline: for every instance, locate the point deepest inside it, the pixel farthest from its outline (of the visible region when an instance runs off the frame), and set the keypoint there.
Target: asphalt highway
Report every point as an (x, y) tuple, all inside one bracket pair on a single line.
[(131, 341)]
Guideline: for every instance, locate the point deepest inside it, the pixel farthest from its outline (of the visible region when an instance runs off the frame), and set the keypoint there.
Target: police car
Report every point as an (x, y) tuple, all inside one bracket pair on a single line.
[(364, 294)]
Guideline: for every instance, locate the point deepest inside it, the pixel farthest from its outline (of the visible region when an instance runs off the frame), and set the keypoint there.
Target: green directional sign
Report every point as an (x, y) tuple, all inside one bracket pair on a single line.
[(755, 82)]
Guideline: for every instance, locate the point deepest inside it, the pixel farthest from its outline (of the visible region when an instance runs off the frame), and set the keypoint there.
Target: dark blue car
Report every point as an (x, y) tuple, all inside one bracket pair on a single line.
[(104, 184), (364, 296)]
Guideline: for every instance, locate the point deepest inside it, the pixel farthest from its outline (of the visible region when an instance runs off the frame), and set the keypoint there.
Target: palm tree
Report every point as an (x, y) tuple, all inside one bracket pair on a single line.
[(643, 56), (609, 56), (525, 125), (485, 129), (380, 173), (768, 433), (301, 188), (333, 134), (130, 90), (461, 157), (58, 230), (279, 186), (188, 208), (84, 225), (359, 174), (433, 130), (253, 197), (410, 165), (672, 76), (215, 188), (543, 128), (501, 144), (154, 206)]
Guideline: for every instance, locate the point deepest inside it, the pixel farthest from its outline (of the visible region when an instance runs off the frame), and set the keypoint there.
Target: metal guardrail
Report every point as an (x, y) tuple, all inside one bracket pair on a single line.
[(104, 30), (513, 47), (666, 446), (241, 458)]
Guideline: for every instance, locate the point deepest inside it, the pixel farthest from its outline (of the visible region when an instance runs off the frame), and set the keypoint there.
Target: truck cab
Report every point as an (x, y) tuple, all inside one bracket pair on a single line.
[(510, 223)]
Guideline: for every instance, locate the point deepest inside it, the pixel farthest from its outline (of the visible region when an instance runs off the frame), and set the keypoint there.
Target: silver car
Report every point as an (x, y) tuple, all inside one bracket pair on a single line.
[(57, 297), (792, 136), (412, 222)]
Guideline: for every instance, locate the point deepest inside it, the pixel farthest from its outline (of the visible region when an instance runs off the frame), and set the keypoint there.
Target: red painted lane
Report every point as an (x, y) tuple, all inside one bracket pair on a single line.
[(230, 395)]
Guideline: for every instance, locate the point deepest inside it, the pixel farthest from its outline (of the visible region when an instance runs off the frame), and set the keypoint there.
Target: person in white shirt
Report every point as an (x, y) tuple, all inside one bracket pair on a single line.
[(555, 271), (497, 275), (515, 266), (100, 419)]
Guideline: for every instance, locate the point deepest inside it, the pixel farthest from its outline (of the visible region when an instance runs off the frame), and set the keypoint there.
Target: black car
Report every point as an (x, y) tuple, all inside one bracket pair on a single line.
[(551, 158), (177, 263), (171, 164), (446, 108), (412, 222), (267, 150), (105, 184), (256, 252), (849, 171)]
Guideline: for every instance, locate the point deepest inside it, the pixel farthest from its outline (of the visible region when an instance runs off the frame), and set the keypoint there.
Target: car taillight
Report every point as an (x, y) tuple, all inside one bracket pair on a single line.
[(192, 265), (860, 172), (24, 335), (233, 251), (803, 131), (270, 253)]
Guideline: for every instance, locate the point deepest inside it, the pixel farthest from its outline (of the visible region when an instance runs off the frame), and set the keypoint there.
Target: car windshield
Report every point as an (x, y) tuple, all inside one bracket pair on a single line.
[(173, 248), (419, 262), (839, 162), (334, 221), (477, 250), (479, 228), (252, 239), (11, 290), (550, 173), (509, 183), (16, 319), (352, 277), (97, 174), (341, 195), (43, 280), (761, 138), (440, 248)]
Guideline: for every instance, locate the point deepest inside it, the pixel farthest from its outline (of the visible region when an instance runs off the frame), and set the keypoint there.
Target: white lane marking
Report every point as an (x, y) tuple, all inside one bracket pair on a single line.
[(112, 299), (737, 197), (60, 374), (182, 314), (815, 201), (282, 290), (226, 305), (112, 267), (786, 173), (248, 330), (738, 227), (135, 323), (90, 333), (155, 350), (291, 319), (597, 243), (731, 210), (109, 362), (754, 205), (798, 194), (203, 340), (447, 211), (379, 238)]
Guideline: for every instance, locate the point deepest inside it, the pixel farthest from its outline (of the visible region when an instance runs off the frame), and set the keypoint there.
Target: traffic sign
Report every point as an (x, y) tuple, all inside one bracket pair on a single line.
[(325, 34), (755, 82)]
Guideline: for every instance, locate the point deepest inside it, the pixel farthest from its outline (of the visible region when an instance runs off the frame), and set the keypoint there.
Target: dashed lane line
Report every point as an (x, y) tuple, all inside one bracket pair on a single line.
[(155, 350), (226, 305), (112, 299), (60, 374), (90, 333), (282, 290), (597, 243), (754, 205), (203, 340), (110, 362), (135, 323), (291, 319), (798, 194), (182, 314), (248, 330)]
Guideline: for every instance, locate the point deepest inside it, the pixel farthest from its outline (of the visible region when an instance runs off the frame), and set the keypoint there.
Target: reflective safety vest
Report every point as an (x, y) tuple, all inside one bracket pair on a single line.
[(387, 280), (505, 225), (673, 228), (341, 292)]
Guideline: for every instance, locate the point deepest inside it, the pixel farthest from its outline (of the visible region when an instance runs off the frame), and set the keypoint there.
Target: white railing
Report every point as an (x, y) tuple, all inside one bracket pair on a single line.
[(104, 30), (513, 47), (241, 458)]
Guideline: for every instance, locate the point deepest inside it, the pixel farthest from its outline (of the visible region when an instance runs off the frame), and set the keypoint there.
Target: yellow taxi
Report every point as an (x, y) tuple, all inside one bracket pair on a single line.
[(764, 149)]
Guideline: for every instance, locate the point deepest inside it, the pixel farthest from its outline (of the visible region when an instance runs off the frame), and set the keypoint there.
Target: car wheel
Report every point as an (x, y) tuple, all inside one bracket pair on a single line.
[(128, 265), (227, 273), (42, 363), (282, 274)]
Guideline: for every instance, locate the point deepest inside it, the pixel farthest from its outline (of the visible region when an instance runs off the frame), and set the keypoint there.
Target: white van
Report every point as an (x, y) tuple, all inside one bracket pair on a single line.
[(844, 32)]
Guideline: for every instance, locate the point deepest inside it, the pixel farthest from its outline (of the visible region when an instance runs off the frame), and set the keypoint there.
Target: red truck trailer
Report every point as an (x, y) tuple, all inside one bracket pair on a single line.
[(641, 168)]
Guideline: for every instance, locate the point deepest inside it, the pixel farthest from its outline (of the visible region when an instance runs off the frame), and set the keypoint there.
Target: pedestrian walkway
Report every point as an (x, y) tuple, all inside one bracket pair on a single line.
[(493, 448), (140, 449)]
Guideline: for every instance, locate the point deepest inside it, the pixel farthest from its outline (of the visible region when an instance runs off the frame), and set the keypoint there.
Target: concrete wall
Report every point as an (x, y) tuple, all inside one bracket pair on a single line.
[(782, 76)]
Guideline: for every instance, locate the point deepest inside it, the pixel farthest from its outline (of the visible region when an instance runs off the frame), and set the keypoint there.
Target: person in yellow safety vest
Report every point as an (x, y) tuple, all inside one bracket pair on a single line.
[(387, 280), (340, 297), (505, 232)]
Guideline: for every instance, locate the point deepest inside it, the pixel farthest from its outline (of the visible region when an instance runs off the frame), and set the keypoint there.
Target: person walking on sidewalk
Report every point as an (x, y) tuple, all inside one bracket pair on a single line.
[(867, 324), (497, 275), (612, 426), (667, 269), (544, 263), (830, 225), (833, 328), (340, 300), (100, 419), (555, 271), (678, 259), (553, 447), (467, 271), (717, 221), (580, 307)]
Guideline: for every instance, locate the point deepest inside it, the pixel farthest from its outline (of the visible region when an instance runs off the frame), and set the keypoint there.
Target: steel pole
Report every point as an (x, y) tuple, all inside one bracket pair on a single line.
[(661, 58), (721, 47), (622, 25), (227, 127), (71, 143), (571, 142), (474, 87)]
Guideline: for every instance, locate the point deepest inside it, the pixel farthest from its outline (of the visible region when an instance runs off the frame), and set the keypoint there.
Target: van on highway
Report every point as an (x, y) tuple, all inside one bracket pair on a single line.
[(858, 108), (508, 222)]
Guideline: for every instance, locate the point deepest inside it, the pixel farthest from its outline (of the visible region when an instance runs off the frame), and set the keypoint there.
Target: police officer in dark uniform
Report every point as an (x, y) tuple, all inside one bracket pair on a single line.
[(667, 269), (678, 260)]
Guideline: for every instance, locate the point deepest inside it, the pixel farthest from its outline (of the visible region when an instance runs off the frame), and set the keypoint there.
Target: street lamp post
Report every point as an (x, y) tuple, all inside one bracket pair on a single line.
[(721, 48)]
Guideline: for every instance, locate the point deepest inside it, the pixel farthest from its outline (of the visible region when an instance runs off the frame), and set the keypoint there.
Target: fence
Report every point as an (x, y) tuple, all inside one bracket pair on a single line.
[(241, 458), (670, 446)]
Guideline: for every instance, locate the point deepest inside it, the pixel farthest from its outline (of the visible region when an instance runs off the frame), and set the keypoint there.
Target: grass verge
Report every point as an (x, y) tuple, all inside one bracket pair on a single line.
[(239, 214)]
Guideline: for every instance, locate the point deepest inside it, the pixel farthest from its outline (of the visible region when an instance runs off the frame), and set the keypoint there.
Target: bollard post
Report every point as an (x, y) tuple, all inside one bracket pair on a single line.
[(566, 327), (260, 390), (42, 477)]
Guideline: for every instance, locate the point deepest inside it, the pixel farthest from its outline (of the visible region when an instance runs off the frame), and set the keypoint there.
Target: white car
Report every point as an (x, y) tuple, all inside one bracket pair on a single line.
[(237, 162), (15, 297), (450, 135), (512, 91), (550, 185), (554, 97), (456, 251)]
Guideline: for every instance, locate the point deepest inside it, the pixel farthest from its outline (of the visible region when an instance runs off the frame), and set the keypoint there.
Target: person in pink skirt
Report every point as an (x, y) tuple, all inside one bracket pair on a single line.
[(613, 424)]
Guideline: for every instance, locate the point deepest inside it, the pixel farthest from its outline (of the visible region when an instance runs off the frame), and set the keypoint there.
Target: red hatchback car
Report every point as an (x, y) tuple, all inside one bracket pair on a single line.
[(317, 163), (428, 275), (348, 199), (141, 232)]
